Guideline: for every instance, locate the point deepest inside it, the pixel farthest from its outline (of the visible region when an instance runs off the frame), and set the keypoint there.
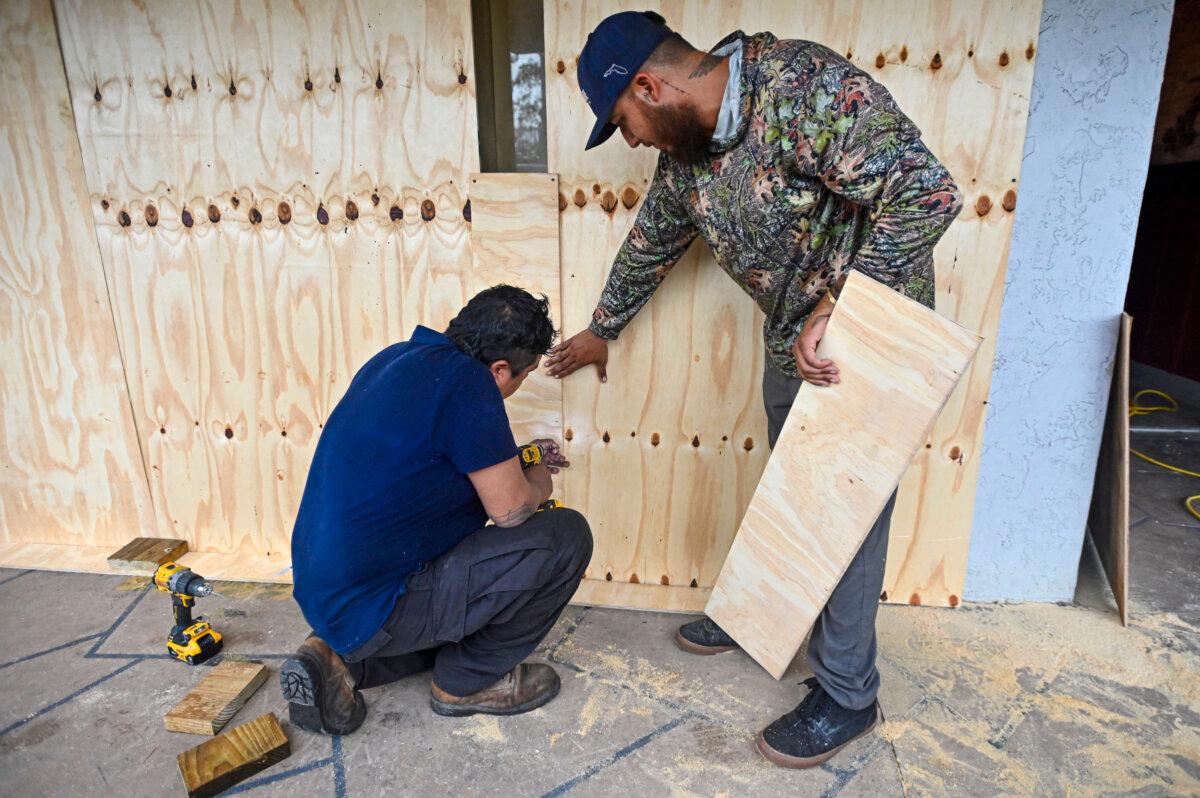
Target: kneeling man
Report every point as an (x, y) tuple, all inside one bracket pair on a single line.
[(394, 568)]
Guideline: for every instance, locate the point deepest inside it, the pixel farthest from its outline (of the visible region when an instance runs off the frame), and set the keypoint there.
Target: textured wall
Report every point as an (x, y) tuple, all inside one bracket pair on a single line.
[(1095, 92)]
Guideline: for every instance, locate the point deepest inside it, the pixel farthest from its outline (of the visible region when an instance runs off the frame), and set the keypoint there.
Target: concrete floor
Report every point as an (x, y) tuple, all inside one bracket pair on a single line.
[(981, 700)]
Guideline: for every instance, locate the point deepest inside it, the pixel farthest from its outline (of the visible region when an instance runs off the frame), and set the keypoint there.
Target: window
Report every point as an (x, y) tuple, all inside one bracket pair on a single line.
[(510, 80)]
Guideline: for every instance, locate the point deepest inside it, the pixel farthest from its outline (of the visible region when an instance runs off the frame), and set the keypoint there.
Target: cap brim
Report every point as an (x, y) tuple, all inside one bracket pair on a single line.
[(601, 131)]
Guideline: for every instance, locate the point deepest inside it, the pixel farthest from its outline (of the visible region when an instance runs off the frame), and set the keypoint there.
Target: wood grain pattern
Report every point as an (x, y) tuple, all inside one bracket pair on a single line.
[(66, 557), (217, 764), (216, 699), (840, 455), (1108, 520), (514, 240), (688, 368), (144, 555), (278, 194), (70, 469)]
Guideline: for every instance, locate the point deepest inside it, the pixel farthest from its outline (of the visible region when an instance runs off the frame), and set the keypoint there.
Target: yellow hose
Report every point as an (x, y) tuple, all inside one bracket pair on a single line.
[(1136, 408)]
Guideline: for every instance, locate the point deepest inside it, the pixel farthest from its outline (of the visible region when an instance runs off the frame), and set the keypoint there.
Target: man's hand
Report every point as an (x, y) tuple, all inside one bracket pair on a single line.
[(539, 480), (816, 370), (552, 456), (576, 352)]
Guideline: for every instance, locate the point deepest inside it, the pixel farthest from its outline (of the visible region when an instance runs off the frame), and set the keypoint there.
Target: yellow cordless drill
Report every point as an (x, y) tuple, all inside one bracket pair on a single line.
[(192, 640), (531, 455)]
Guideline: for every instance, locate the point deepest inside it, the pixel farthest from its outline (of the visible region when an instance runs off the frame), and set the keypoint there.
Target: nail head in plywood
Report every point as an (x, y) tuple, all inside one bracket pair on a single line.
[(216, 699), (144, 555), (217, 764), (839, 457)]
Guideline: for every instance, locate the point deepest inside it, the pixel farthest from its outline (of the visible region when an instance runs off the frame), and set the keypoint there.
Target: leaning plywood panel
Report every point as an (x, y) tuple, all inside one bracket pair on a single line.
[(514, 240), (840, 455), (1108, 521), (71, 470), (278, 191), (666, 454)]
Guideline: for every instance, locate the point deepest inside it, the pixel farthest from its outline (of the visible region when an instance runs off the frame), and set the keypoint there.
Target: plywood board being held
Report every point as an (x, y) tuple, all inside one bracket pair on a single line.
[(839, 457), (1108, 520), (218, 697), (144, 555), (217, 764)]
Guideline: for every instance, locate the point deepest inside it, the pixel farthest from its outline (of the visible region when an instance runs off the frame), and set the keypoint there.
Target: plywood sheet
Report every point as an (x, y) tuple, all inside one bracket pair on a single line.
[(665, 456), (514, 240), (56, 557), (70, 468), (144, 555), (840, 455), (216, 699), (279, 194), (1108, 520), (627, 596), (217, 764)]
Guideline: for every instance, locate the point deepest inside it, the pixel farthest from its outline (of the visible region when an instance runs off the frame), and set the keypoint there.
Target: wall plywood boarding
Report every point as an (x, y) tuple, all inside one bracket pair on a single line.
[(514, 240), (278, 192), (667, 453), (838, 459), (70, 469)]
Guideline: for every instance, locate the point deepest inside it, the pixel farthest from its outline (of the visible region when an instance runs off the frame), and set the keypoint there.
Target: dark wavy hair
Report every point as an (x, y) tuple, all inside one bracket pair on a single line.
[(504, 323)]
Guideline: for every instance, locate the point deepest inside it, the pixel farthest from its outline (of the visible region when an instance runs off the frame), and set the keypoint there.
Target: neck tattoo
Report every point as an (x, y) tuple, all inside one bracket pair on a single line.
[(707, 64)]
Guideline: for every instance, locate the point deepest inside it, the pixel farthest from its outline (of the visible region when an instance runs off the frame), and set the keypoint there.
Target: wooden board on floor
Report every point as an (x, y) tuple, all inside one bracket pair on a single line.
[(514, 240), (144, 555), (70, 468), (840, 455), (217, 764), (221, 693), (665, 455), (1108, 520)]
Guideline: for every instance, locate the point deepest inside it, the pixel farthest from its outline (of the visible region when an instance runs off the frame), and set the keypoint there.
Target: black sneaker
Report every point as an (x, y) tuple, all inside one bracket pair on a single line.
[(320, 691), (704, 637), (815, 730)]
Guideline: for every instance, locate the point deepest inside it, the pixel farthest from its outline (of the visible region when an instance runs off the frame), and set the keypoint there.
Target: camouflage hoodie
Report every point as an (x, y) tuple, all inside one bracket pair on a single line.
[(824, 175)]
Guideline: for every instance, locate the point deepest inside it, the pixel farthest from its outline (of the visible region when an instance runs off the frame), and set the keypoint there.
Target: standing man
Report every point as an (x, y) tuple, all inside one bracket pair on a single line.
[(797, 168), (395, 567)]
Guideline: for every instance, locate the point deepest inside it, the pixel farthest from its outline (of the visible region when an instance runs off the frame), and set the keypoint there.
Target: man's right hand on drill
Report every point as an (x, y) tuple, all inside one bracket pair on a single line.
[(552, 456), (576, 352)]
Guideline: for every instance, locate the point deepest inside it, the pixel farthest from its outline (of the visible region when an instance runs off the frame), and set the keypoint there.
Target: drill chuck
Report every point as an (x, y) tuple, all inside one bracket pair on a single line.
[(188, 583)]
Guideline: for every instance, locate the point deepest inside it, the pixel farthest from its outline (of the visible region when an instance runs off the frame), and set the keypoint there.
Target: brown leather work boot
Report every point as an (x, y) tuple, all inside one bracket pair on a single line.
[(524, 688), (320, 690)]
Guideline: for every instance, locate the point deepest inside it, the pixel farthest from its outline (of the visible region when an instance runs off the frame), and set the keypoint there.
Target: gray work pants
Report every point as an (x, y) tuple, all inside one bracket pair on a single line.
[(481, 608), (841, 649)]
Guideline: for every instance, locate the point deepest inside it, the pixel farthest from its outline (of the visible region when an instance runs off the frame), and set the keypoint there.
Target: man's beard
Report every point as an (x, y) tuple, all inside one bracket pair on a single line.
[(681, 135)]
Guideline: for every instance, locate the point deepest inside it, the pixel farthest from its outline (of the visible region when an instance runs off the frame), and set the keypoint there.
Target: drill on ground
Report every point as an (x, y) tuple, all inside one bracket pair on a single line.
[(192, 640)]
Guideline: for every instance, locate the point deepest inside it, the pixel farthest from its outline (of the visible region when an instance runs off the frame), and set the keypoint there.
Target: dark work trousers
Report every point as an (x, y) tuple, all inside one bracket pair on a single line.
[(481, 608), (841, 648)]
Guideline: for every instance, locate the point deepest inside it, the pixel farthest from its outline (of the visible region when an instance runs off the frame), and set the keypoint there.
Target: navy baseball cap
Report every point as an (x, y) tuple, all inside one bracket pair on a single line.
[(615, 50)]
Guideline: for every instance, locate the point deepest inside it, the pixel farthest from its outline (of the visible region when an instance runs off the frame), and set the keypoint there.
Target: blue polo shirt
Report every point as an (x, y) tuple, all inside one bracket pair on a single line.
[(388, 488)]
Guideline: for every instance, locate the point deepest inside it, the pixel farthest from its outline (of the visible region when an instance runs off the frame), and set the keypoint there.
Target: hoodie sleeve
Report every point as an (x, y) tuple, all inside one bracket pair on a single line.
[(848, 132), (659, 237)]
